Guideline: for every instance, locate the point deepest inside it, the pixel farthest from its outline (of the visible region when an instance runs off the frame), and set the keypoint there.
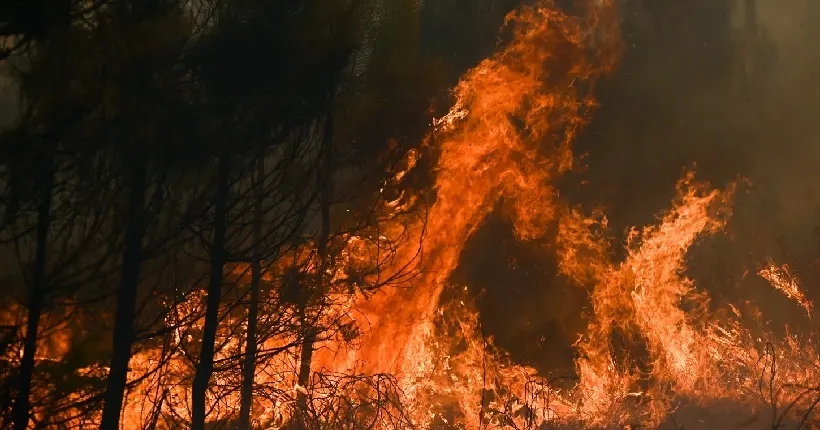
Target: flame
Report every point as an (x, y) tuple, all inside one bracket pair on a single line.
[(782, 279), (652, 344), (509, 134), (641, 299)]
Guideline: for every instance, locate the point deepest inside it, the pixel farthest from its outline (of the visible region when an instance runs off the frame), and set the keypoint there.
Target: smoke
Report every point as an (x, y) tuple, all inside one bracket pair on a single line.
[(787, 154), (724, 87), (704, 83)]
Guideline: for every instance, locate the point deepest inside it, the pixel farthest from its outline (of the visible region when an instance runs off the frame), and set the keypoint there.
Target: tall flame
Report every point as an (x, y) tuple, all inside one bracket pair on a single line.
[(651, 342), (509, 134)]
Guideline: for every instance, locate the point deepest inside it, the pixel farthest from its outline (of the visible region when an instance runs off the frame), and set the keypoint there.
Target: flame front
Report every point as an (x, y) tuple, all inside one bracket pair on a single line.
[(509, 134), (652, 343)]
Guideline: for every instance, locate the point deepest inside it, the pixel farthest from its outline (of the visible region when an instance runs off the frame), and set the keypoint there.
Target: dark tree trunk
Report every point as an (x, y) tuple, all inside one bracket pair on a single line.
[(248, 366), (305, 360), (22, 406), (126, 297), (325, 189), (60, 13), (205, 367)]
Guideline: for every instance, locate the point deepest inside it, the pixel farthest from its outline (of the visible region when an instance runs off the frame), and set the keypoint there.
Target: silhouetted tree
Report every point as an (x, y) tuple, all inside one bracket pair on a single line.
[(137, 148), (161, 143), (39, 156)]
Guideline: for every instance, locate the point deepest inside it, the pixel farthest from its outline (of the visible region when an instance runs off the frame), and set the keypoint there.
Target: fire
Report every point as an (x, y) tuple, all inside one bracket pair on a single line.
[(782, 278), (653, 342), (641, 299), (651, 346), (508, 135), (486, 154)]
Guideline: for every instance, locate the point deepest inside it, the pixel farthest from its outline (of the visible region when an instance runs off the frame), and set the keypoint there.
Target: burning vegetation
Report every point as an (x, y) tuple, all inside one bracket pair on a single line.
[(278, 275)]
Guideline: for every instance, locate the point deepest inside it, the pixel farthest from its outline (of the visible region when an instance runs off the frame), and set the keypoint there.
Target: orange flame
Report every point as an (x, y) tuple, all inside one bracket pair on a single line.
[(651, 342), (508, 135), (782, 279)]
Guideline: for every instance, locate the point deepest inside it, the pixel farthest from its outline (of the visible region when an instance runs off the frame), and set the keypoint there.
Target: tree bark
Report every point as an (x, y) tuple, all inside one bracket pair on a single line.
[(22, 406), (126, 297), (205, 367), (305, 360), (61, 14), (248, 366), (310, 332)]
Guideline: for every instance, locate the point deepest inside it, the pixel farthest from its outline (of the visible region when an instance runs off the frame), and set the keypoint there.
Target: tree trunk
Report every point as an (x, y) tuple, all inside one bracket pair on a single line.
[(248, 366), (205, 367), (126, 297), (61, 13), (20, 411), (325, 189), (305, 360)]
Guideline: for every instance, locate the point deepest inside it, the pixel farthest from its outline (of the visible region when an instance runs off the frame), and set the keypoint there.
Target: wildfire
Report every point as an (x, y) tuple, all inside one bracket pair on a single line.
[(651, 344), (485, 154)]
